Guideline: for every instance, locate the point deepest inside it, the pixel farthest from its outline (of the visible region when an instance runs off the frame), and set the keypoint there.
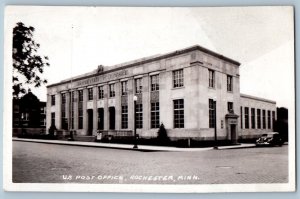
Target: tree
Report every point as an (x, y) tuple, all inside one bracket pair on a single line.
[(27, 64)]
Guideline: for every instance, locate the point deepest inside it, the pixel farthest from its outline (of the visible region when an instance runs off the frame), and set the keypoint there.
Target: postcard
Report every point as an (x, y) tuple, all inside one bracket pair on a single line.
[(149, 99)]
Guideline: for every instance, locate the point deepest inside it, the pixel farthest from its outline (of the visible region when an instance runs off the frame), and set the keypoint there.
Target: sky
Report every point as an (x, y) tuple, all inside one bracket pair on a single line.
[(78, 39)]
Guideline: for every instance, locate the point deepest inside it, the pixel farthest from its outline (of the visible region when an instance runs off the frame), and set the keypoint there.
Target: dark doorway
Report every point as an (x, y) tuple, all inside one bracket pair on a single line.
[(112, 115), (233, 133), (100, 118), (90, 121)]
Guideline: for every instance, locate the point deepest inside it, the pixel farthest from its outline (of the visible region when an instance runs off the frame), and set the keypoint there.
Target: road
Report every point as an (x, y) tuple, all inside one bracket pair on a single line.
[(51, 163)]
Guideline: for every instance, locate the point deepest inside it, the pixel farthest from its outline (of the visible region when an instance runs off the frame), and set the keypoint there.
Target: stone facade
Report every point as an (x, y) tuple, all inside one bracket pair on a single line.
[(196, 66)]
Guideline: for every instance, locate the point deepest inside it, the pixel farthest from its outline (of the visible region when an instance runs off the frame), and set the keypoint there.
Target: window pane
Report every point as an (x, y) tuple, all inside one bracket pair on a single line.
[(211, 78), (124, 122), (124, 88), (179, 113), (154, 83), (246, 117), (155, 115), (112, 90), (252, 118), (139, 116), (229, 83), (138, 85), (178, 78)]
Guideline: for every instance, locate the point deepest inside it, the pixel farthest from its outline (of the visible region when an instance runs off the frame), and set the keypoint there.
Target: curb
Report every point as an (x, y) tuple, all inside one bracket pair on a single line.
[(75, 143), (129, 147)]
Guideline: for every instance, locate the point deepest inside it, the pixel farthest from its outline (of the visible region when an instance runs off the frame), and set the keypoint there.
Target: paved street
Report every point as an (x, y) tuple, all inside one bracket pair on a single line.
[(52, 163)]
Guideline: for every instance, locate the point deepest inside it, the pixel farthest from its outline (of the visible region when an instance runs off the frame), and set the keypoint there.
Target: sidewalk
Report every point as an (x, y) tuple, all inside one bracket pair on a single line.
[(130, 146)]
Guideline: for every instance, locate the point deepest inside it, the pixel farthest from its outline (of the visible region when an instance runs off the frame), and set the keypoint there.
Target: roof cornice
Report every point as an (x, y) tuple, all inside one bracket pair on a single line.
[(152, 59)]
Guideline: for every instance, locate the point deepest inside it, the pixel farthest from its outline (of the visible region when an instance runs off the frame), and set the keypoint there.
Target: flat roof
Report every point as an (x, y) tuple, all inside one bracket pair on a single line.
[(257, 98), (145, 60)]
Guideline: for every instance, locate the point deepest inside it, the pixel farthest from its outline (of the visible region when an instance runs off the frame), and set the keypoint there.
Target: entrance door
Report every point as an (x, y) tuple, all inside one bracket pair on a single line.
[(233, 133), (100, 118), (90, 121), (112, 116)]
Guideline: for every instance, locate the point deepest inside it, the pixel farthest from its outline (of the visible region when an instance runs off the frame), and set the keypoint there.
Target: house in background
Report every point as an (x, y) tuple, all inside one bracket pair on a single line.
[(29, 115)]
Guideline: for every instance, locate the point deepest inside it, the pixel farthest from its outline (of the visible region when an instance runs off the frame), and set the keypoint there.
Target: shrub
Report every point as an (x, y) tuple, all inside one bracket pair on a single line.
[(162, 135)]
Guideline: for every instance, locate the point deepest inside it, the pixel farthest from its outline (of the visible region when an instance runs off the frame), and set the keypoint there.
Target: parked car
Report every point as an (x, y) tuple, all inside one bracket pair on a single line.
[(270, 139)]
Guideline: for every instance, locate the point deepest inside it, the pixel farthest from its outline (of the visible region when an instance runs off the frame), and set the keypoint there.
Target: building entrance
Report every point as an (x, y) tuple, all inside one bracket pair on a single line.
[(112, 118), (233, 133), (90, 121), (231, 125), (100, 118)]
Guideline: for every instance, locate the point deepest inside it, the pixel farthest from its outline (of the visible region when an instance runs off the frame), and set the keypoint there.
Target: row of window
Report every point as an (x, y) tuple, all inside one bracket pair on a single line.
[(178, 113), (178, 81), (155, 116), (260, 118)]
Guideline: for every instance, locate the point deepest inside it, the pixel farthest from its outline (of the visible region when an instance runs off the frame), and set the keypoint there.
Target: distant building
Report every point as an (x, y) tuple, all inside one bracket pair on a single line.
[(257, 115), (29, 114), (177, 89), (282, 124)]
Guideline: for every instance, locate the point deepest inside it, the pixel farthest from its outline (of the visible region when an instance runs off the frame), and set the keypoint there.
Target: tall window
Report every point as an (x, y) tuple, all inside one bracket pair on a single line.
[(100, 92), (124, 88), (178, 78), (269, 119), (64, 120), (211, 78), (253, 118), (229, 83), (211, 108), (155, 115), (246, 117), (52, 100), (230, 107), (52, 118), (80, 95), (73, 96), (258, 118), (124, 118), (138, 85), (90, 93), (72, 110), (179, 113), (80, 109), (264, 118), (112, 92), (139, 116), (241, 116), (154, 83), (63, 98)]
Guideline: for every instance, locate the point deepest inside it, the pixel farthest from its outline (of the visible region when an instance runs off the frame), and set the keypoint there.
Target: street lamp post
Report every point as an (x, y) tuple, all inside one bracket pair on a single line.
[(134, 122), (21, 123), (215, 110)]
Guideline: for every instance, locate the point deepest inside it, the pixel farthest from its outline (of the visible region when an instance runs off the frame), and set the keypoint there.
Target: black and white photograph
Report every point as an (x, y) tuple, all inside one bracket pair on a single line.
[(149, 99)]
